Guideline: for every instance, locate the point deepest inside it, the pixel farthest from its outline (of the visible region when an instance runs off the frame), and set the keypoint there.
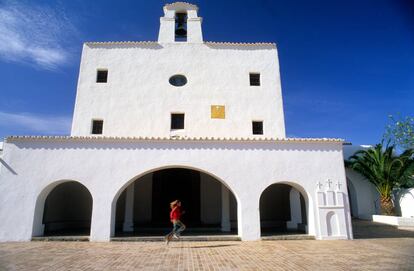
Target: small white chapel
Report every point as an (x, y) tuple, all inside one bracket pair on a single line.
[(177, 118)]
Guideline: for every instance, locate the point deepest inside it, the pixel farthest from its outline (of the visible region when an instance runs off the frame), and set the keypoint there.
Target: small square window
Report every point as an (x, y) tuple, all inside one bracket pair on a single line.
[(257, 127), (102, 76), (177, 121), (255, 79), (97, 127)]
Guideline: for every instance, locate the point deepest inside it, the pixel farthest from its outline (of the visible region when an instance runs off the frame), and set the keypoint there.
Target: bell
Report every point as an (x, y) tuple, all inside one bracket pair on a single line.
[(181, 21), (181, 31)]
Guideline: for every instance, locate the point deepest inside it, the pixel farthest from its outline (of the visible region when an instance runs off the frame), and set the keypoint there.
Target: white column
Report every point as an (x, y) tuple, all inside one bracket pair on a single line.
[(101, 219), (225, 209), (248, 217), (129, 209), (295, 209)]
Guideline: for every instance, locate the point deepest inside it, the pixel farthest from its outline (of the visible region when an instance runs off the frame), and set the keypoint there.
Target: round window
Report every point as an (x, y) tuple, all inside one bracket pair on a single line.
[(178, 80)]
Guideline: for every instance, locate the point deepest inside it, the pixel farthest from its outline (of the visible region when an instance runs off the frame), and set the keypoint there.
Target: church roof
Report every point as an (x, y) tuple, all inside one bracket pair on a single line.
[(201, 139)]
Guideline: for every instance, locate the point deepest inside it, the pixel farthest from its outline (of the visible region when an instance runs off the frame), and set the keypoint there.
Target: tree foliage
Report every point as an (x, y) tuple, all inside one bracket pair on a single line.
[(400, 131), (385, 170)]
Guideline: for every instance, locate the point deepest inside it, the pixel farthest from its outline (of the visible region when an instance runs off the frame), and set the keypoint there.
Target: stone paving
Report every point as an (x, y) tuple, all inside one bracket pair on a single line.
[(392, 251)]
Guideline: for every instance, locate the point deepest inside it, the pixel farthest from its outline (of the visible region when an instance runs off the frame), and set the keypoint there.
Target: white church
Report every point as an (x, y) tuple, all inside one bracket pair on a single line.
[(178, 118)]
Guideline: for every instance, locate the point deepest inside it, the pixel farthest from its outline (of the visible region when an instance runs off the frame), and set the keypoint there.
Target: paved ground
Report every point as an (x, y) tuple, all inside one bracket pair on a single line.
[(393, 250)]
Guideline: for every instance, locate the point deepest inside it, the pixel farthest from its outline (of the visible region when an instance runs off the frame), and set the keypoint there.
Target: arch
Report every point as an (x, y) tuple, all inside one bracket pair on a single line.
[(332, 224), (131, 180), (304, 203), (39, 210)]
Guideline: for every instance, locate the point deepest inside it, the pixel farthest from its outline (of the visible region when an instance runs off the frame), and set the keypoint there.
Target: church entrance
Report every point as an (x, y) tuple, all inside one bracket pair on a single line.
[(282, 211), (169, 185), (143, 208)]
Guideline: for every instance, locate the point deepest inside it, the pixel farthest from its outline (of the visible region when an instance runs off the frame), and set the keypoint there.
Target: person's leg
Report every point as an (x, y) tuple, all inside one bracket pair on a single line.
[(180, 229), (169, 236)]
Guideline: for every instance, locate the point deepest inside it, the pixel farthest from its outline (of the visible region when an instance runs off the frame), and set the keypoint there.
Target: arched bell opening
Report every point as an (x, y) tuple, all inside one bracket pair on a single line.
[(143, 207)]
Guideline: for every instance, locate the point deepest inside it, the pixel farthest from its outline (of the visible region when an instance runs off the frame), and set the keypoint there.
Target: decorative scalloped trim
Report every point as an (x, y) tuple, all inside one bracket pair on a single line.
[(240, 43), (121, 42), (156, 42), (189, 5), (141, 138)]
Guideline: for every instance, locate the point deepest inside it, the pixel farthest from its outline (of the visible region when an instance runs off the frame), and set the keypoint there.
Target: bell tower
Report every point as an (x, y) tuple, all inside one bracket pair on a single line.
[(180, 24)]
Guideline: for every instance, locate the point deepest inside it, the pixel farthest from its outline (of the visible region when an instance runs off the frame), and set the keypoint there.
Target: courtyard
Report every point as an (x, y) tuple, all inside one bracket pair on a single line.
[(376, 247)]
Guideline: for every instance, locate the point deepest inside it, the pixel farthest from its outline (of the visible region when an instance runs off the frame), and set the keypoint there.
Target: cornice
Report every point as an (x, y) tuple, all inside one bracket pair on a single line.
[(170, 139)]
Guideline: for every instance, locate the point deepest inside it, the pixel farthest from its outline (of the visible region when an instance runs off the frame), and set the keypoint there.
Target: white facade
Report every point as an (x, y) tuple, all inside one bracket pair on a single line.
[(137, 142), (137, 99)]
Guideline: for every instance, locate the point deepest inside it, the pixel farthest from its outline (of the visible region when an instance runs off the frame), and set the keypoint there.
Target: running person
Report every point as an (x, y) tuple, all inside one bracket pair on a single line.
[(175, 216)]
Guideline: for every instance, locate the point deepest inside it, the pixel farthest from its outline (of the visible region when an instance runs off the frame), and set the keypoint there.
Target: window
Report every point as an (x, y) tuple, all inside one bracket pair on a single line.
[(255, 79), (178, 80), (257, 127), (177, 121), (181, 27), (102, 76), (218, 112), (97, 127)]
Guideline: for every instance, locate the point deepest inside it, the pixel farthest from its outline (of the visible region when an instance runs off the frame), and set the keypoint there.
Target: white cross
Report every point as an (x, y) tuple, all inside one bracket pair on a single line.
[(319, 184), (329, 183), (339, 184)]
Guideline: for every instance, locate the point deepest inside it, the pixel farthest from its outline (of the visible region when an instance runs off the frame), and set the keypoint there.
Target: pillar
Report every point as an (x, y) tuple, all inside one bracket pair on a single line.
[(102, 219), (129, 209), (225, 209), (248, 217), (295, 209)]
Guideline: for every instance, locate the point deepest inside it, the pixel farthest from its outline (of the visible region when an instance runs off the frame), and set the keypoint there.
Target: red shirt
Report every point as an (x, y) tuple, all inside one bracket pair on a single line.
[(175, 213)]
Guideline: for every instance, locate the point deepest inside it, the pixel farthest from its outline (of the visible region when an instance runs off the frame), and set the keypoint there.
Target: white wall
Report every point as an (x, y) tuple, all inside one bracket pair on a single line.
[(406, 202), (138, 99), (365, 199), (106, 167)]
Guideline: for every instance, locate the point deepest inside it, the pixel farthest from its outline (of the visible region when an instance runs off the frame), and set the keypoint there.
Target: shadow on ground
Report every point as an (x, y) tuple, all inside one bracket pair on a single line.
[(364, 229)]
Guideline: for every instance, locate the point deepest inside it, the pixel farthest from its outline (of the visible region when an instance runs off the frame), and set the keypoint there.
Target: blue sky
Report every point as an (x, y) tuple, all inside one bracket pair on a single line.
[(345, 65)]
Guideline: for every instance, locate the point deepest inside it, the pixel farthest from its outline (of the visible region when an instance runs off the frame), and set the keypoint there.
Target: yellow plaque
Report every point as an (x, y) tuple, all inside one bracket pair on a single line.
[(218, 112)]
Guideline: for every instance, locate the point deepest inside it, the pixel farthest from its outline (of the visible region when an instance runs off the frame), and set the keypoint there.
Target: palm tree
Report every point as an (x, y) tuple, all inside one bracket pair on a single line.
[(385, 170)]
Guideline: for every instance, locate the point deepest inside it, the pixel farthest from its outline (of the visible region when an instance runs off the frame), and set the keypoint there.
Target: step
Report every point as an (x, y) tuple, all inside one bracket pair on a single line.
[(288, 237), (194, 238), (62, 238)]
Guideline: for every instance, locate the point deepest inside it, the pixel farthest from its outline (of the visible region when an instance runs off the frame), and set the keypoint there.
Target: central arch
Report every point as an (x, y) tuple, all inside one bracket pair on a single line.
[(141, 206)]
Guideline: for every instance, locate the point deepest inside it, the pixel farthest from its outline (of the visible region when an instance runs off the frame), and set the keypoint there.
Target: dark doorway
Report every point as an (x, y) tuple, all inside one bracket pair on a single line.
[(68, 210), (171, 184), (276, 211)]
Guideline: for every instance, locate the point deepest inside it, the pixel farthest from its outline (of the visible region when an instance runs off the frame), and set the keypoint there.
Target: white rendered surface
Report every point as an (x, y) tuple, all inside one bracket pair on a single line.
[(107, 167), (394, 220), (295, 209), (225, 209), (138, 100), (129, 209), (406, 202)]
